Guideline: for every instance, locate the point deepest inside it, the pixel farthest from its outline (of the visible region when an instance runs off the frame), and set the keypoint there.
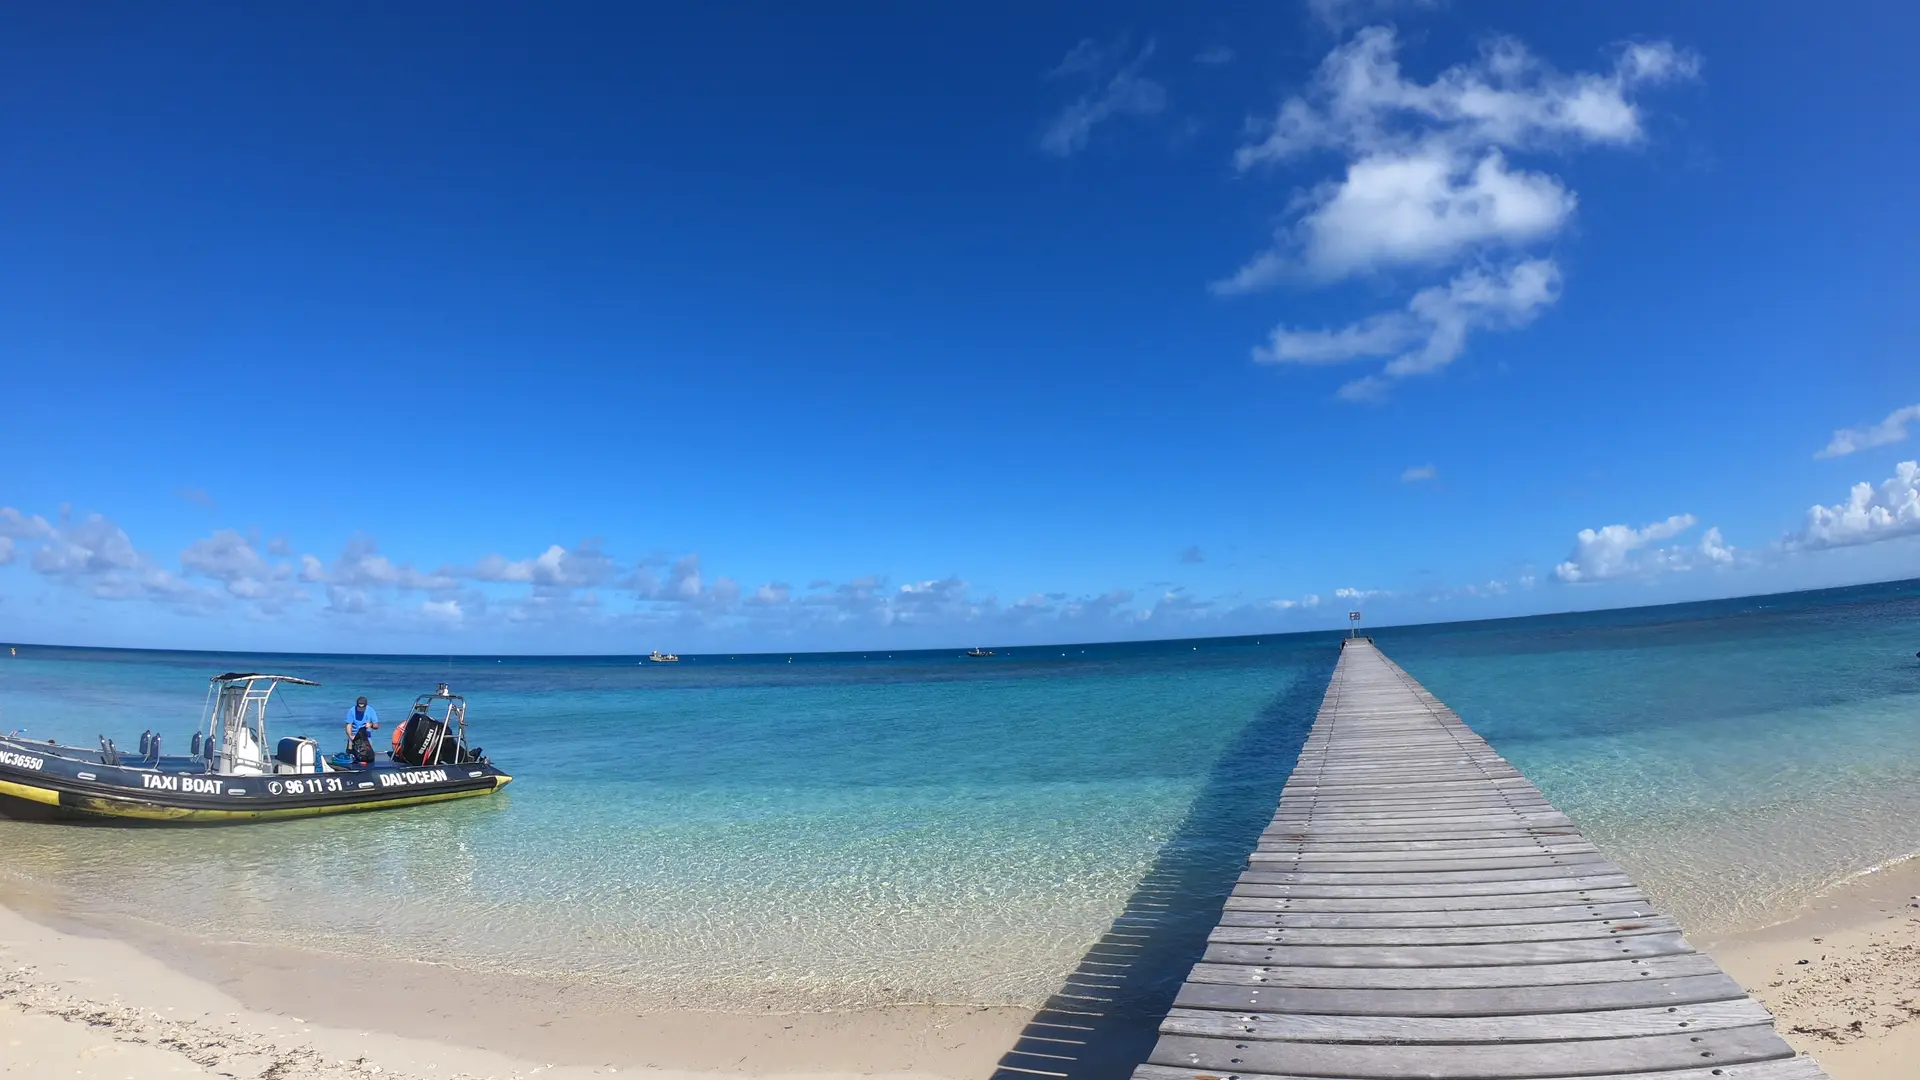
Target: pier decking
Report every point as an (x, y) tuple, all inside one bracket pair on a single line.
[(1418, 909)]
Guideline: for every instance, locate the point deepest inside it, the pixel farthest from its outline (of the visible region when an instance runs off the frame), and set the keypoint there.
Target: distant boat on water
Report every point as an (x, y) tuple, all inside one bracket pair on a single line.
[(659, 657), (978, 653)]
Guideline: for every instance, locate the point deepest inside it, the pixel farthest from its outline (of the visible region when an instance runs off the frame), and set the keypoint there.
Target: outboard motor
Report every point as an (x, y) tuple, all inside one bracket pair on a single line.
[(146, 744), (153, 749), (108, 755)]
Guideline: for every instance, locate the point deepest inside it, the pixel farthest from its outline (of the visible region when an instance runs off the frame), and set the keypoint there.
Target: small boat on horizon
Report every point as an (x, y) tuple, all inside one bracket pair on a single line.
[(977, 653), (228, 775), (659, 657)]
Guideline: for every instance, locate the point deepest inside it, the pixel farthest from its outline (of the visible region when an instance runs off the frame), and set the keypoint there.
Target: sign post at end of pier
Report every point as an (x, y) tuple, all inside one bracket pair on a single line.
[(1353, 624)]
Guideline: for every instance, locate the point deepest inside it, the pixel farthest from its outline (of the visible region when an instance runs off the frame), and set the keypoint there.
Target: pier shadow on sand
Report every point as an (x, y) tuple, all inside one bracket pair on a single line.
[(1104, 1020)]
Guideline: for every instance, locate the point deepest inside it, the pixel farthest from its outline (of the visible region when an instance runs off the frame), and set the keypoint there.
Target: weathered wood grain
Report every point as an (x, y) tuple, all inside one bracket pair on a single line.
[(1417, 910)]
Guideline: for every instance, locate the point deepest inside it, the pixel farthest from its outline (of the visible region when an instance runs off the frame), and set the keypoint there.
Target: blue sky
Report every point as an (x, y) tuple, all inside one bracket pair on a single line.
[(599, 328)]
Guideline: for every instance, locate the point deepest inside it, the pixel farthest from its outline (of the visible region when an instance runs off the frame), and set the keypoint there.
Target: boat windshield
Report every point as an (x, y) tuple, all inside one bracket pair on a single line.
[(236, 721)]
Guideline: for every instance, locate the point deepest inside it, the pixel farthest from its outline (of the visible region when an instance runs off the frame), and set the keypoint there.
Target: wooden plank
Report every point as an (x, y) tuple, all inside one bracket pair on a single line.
[(1795, 1068), (1243, 910), (1417, 910), (1584, 883), (1458, 978), (1430, 903), (1320, 863), (1650, 1053), (1270, 874), (1515, 1027), (1532, 952), (1335, 856), (1227, 934), (1489, 1001), (1456, 844)]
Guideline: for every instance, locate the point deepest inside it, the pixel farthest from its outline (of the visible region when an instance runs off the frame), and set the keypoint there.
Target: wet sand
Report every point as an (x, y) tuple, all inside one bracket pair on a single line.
[(75, 1002), (1843, 977), (85, 997)]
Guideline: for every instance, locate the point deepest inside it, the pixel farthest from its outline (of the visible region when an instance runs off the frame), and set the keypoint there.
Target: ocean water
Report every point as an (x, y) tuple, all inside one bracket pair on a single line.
[(841, 830)]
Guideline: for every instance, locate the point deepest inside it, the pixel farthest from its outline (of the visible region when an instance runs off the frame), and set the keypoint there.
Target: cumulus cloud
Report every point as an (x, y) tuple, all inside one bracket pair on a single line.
[(234, 561), (361, 566), (18, 526), (6, 550), (95, 555), (446, 612), (1429, 181), (1869, 515), (1417, 473), (1621, 551), (585, 566), (1430, 334), (1891, 430), (1192, 556), (1113, 87)]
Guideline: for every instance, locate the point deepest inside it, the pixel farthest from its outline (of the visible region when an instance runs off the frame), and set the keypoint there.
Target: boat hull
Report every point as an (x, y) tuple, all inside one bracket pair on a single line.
[(36, 785)]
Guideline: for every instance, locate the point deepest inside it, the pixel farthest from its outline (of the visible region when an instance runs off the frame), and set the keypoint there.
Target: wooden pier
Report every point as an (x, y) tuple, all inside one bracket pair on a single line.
[(1418, 909)]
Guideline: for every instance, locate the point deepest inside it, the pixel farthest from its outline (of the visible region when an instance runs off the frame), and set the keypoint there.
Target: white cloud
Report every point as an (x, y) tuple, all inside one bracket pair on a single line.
[(1359, 102), (18, 526), (1715, 549), (557, 567), (1338, 15), (1619, 551), (97, 556), (1423, 206), (1428, 182), (772, 594), (361, 565), (1891, 430), (1360, 594), (1418, 473), (1868, 516), (232, 560), (1115, 88), (6, 550), (1431, 333), (446, 612)]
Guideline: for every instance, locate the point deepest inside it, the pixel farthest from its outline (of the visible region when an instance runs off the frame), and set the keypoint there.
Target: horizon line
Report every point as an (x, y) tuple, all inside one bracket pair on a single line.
[(1332, 632)]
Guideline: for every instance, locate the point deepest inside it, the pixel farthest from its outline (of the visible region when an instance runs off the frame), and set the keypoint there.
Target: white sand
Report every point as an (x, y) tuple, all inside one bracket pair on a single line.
[(80, 1006), (1843, 978)]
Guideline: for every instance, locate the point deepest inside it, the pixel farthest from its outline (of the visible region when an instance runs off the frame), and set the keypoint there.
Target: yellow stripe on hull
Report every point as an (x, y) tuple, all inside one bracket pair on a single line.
[(135, 810), (30, 793)]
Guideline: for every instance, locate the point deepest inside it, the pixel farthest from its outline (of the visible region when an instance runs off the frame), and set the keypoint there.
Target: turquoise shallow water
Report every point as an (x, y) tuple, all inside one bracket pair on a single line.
[(840, 830)]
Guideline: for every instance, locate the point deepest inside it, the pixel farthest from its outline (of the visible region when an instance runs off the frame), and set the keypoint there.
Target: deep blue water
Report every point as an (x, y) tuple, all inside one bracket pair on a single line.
[(856, 828)]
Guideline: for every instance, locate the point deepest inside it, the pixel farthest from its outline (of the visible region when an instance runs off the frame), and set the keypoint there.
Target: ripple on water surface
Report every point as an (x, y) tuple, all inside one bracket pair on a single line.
[(843, 831)]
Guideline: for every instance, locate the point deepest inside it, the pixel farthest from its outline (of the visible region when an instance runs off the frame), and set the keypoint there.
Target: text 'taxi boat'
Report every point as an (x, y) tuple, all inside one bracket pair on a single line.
[(228, 776)]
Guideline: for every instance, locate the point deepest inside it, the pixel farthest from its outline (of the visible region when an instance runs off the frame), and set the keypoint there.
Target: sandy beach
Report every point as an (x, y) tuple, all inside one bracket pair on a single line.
[(74, 1003), (88, 1000), (1843, 977)]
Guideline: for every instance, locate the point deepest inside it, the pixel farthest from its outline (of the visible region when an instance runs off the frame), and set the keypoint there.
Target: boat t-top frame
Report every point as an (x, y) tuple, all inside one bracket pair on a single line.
[(450, 725), (236, 721)]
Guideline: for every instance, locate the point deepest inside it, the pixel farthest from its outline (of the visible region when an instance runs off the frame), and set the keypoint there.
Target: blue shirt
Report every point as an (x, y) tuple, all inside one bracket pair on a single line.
[(357, 724)]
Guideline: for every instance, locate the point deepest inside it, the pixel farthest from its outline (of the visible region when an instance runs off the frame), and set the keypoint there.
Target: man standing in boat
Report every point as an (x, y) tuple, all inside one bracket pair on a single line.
[(360, 720)]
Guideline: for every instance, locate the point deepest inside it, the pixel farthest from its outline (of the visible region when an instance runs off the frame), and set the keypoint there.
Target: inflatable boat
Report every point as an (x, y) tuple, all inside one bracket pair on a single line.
[(229, 777)]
